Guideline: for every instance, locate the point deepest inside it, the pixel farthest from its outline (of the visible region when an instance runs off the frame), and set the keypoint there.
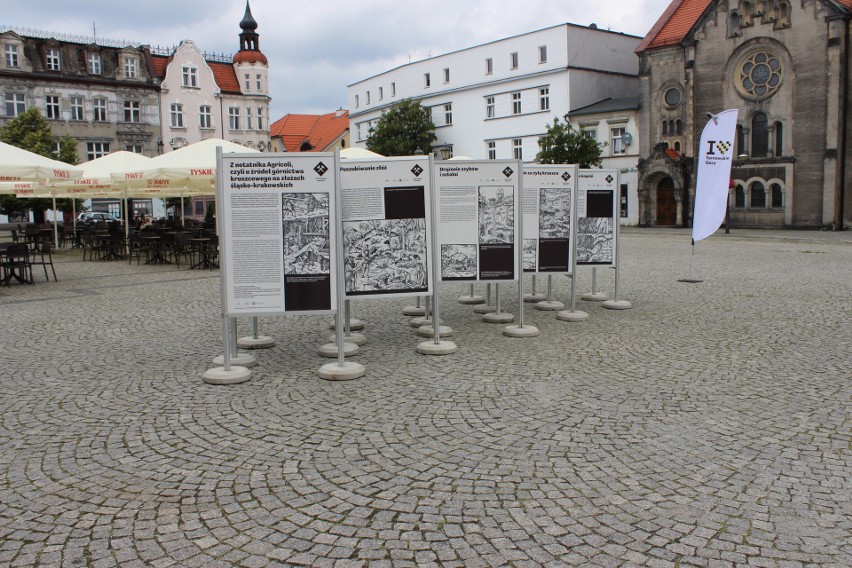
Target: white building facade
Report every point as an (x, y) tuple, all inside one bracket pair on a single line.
[(494, 101)]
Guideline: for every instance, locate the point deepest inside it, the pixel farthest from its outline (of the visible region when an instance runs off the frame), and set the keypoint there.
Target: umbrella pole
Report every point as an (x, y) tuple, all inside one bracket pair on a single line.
[(182, 221), (55, 229)]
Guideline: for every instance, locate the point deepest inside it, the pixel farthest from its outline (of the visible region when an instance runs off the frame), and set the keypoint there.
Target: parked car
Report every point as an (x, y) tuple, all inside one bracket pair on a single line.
[(96, 216)]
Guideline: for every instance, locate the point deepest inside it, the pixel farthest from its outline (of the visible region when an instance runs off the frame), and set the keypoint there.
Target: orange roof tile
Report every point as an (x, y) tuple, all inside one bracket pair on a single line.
[(320, 131), (223, 73), (847, 3), (674, 24), (250, 56)]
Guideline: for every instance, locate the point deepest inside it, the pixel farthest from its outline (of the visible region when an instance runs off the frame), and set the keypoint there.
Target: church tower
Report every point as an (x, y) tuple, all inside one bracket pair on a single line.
[(252, 72)]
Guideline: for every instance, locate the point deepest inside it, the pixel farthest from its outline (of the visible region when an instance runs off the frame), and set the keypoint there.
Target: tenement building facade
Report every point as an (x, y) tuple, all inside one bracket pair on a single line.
[(786, 66)]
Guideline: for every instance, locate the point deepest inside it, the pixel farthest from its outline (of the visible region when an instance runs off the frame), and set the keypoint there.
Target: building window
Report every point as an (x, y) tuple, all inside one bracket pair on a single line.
[(368, 97), (516, 103), (381, 93), (176, 113), (393, 89), (489, 107), (672, 97), (259, 83), (132, 111), (759, 74), (446, 74), (739, 197), (77, 108), (757, 195), (51, 107), (590, 133), (513, 60), (741, 148), (135, 148), (11, 55), (489, 66), (517, 149), (618, 146), (357, 101), (248, 82), (99, 110), (448, 114), (52, 60), (130, 67), (260, 118), (189, 76), (205, 116), (544, 98), (248, 118), (96, 150), (759, 135), (542, 54), (665, 128), (234, 118), (777, 195), (93, 63), (492, 150), (427, 80), (779, 139)]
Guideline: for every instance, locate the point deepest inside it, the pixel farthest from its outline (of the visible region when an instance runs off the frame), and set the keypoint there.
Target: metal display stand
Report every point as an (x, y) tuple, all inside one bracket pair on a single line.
[(549, 304), (471, 298), (534, 296), (255, 340), (487, 307), (498, 316), (594, 295)]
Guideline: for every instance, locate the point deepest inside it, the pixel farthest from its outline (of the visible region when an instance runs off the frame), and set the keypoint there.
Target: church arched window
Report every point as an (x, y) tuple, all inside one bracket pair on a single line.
[(759, 135)]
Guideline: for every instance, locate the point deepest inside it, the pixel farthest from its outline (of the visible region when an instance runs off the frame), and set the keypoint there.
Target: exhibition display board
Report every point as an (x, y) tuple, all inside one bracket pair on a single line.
[(386, 218), (597, 215), (277, 233), (478, 210), (548, 201)]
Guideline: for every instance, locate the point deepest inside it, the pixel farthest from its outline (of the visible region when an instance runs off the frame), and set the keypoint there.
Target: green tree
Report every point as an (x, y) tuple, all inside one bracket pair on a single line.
[(563, 144), (404, 130), (31, 131)]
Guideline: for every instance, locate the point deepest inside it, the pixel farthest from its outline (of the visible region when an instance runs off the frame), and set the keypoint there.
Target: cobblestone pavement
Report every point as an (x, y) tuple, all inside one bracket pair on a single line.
[(708, 426)]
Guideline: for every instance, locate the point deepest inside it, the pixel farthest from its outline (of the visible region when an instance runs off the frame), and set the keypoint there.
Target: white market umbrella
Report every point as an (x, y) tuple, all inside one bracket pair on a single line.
[(192, 167), (17, 164), (356, 153)]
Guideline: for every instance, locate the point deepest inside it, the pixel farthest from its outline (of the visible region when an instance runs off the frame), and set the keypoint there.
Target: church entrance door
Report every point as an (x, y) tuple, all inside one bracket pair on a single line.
[(666, 204)]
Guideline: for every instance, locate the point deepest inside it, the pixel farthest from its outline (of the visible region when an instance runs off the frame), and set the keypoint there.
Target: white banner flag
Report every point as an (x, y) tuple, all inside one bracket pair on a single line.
[(714, 174)]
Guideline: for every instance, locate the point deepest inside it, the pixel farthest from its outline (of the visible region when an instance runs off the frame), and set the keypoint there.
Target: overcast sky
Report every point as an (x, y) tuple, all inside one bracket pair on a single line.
[(316, 48)]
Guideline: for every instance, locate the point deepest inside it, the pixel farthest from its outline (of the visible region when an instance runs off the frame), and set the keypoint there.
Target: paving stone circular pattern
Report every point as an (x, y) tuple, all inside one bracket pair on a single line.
[(707, 426)]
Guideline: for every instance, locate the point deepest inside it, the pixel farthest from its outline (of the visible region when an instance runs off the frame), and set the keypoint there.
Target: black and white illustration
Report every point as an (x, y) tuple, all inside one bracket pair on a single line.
[(385, 255), (458, 262), (554, 213), (496, 216), (305, 217), (595, 240), (530, 252)]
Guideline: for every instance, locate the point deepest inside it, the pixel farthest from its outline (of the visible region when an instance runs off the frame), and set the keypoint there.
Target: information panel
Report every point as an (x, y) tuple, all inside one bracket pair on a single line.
[(478, 218), (277, 233), (385, 207), (597, 215), (548, 198)]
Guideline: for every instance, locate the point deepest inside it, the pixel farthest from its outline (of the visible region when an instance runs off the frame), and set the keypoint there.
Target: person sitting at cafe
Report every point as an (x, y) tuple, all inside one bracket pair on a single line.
[(146, 223)]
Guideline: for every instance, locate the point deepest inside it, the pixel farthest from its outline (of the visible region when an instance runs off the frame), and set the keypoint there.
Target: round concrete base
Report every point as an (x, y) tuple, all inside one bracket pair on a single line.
[(577, 315), (241, 360), (421, 321), (219, 376), (334, 372), (354, 324), (534, 297), (429, 331), (484, 309), (596, 297), (502, 317), (259, 342), (617, 305), (516, 331), (440, 348), (550, 306), (356, 338), (413, 311), (330, 349), (471, 300)]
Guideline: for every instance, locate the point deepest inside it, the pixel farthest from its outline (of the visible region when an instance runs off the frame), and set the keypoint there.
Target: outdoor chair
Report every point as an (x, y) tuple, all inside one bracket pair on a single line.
[(135, 248), (16, 264), (42, 256)]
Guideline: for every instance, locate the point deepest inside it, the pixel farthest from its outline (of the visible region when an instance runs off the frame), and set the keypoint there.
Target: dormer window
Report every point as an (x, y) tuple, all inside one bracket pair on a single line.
[(130, 67), (189, 76), (12, 56), (93, 63), (52, 60)]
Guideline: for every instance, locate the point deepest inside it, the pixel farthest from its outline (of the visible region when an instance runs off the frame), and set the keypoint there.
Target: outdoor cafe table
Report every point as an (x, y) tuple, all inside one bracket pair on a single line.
[(201, 245), (156, 250)]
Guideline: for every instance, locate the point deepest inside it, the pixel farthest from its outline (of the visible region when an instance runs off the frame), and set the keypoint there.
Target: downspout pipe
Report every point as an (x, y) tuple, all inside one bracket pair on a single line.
[(842, 132)]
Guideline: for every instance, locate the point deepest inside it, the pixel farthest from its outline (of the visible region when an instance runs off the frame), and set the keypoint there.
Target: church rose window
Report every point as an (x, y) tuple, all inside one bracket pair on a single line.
[(759, 74), (672, 97)]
